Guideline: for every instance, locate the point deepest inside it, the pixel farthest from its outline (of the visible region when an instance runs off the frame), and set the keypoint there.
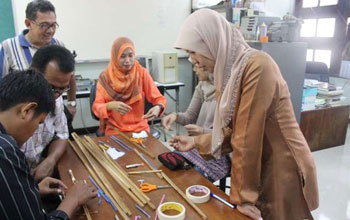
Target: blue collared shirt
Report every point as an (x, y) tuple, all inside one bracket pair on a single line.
[(16, 53)]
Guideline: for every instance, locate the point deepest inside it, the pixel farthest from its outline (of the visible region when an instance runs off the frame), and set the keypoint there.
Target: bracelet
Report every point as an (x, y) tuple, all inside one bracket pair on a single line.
[(161, 107)]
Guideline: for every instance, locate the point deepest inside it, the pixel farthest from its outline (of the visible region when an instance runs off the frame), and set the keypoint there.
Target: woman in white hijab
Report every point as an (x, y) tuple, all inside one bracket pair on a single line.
[(272, 167)]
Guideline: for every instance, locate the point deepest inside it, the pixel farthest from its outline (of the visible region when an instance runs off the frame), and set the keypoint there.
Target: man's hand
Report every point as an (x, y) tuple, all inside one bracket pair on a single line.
[(119, 107), (72, 110), (152, 113), (168, 120), (50, 185), (194, 130), (44, 169), (250, 210), (80, 193), (182, 143)]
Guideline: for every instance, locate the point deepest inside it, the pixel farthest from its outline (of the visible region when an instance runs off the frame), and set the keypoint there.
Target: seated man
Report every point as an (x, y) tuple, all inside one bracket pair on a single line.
[(25, 101), (57, 65)]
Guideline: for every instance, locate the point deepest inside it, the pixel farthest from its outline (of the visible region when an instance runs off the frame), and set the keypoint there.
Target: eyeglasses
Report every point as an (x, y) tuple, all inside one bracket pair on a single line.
[(60, 91), (45, 25)]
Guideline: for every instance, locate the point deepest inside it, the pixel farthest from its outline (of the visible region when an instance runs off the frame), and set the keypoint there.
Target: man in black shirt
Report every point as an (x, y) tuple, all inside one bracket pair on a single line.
[(25, 100)]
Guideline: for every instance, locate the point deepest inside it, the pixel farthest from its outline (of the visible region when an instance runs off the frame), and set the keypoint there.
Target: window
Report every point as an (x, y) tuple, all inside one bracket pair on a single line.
[(325, 27), (328, 2), (324, 30), (310, 3), (310, 55), (318, 3), (308, 29), (323, 56)]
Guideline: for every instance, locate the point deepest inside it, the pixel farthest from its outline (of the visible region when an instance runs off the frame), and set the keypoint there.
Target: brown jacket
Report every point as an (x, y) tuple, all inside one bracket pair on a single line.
[(272, 166)]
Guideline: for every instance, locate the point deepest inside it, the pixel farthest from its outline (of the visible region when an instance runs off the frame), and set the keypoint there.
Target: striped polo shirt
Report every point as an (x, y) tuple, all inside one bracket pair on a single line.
[(16, 53), (19, 191)]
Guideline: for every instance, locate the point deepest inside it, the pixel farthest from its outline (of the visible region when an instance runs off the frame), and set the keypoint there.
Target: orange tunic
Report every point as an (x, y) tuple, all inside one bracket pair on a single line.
[(132, 121)]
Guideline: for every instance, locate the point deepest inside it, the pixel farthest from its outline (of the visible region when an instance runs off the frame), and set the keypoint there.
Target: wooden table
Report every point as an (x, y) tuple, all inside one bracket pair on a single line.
[(183, 178), (326, 127)]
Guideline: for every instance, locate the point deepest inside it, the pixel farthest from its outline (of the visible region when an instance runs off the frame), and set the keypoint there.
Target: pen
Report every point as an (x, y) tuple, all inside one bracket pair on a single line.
[(143, 211), (134, 165), (232, 206), (108, 200), (160, 203)]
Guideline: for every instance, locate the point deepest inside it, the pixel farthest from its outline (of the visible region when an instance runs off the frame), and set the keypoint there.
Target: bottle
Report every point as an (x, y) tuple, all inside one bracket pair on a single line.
[(263, 33)]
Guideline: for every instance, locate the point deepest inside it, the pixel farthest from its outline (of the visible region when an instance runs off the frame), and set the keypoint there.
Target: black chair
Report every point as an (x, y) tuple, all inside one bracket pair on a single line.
[(317, 70), (154, 132), (92, 99)]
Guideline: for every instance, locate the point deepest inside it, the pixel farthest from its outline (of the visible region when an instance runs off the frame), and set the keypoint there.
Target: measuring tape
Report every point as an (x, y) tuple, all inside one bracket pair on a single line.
[(203, 193), (171, 211)]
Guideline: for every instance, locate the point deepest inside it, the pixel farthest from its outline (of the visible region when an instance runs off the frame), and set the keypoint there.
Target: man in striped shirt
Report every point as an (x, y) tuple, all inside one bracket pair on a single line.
[(25, 101), (16, 53)]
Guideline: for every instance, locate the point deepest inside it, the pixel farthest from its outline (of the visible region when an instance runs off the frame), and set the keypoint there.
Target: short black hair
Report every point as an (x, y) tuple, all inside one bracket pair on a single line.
[(61, 55), (38, 5), (26, 86)]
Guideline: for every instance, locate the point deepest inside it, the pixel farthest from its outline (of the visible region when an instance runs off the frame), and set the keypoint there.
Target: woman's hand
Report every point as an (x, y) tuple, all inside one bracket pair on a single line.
[(119, 107), (51, 185), (152, 113), (250, 210), (182, 143), (194, 130), (168, 120)]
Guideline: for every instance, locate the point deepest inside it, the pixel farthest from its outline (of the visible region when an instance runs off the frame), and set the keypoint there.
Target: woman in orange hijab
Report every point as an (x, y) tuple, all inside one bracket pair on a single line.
[(121, 91)]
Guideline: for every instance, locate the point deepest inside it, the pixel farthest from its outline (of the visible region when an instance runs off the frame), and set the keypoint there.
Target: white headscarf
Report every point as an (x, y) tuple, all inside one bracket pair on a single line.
[(208, 33)]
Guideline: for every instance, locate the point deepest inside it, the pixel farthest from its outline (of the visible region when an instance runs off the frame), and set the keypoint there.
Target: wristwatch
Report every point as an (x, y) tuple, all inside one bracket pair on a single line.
[(72, 103)]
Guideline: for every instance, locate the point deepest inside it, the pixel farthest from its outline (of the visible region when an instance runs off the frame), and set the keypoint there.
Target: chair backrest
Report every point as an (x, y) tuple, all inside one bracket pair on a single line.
[(92, 99), (317, 70)]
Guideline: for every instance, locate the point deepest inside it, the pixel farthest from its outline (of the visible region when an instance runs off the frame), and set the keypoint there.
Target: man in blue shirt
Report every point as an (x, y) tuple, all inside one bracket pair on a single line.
[(16, 53), (25, 101)]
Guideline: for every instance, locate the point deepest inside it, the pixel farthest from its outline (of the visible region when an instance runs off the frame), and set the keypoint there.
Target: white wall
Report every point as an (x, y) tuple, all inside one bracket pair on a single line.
[(90, 27)]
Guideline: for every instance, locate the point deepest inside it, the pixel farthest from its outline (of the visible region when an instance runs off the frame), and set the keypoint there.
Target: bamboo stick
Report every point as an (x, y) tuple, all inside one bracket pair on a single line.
[(178, 190), (147, 163), (99, 157), (121, 172), (134, 144), (101, 180), (144, 171)]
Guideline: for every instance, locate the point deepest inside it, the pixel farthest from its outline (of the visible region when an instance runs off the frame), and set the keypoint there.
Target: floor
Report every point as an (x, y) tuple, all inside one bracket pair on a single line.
[(333, 171)]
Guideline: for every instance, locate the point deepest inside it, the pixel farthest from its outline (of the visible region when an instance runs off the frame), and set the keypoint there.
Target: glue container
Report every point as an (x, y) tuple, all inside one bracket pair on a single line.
[(263, 33)]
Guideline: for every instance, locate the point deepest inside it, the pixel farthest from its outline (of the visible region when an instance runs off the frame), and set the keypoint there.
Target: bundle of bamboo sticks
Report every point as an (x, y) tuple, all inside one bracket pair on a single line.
[(93, 155), (118, 174), (90, 155), (100, 178)]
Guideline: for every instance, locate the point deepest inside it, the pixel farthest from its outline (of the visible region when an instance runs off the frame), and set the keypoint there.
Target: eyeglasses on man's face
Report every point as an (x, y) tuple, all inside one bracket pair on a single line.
[(60, 91), (45, 25)]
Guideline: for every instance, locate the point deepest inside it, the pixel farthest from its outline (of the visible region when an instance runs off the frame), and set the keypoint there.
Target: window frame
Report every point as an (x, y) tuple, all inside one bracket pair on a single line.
[(340, 12)]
